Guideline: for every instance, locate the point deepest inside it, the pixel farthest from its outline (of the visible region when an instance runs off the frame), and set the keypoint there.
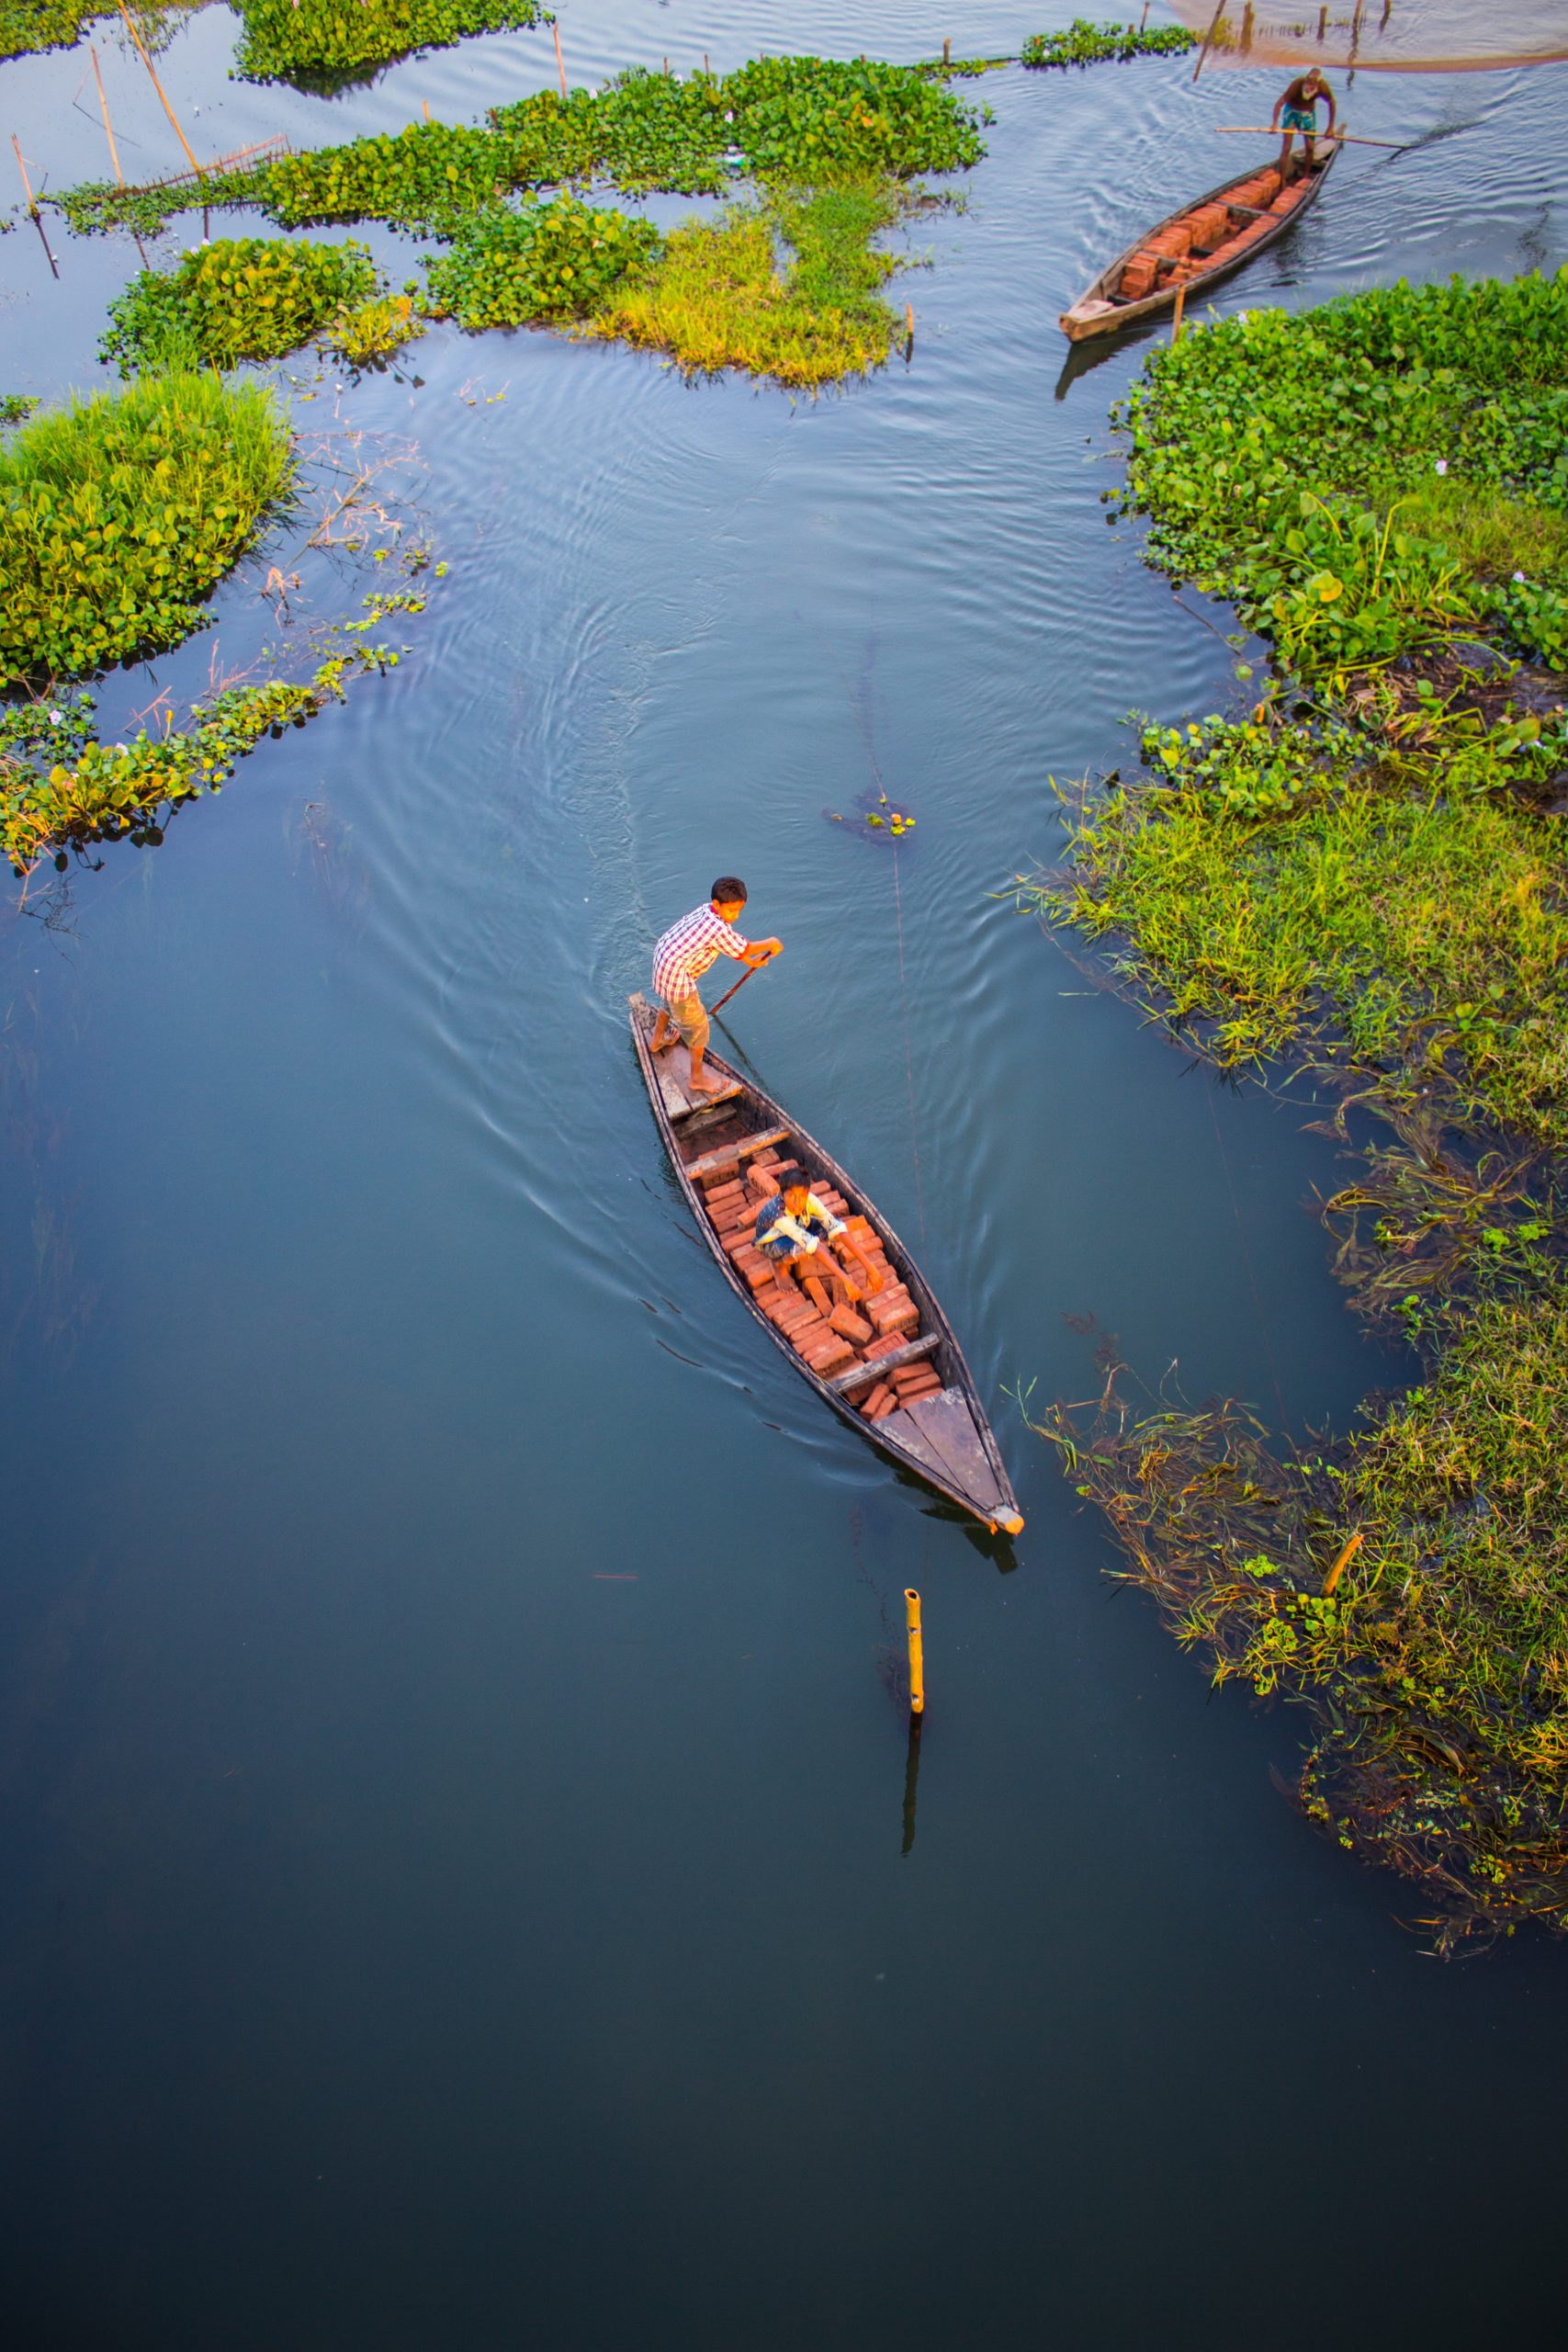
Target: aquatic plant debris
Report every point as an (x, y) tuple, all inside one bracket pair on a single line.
[(1367, 876), (1083, 43)]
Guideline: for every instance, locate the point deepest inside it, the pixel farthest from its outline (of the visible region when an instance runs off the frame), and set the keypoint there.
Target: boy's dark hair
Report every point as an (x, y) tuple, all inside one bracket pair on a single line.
[(729, 891), (792, 1178)]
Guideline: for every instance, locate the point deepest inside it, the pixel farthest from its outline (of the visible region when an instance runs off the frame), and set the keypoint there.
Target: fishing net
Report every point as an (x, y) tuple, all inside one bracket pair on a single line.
[(1397, 36)]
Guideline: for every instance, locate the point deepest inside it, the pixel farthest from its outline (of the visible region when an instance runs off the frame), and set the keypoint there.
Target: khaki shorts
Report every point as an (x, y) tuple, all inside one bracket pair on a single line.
[(690, 1017)]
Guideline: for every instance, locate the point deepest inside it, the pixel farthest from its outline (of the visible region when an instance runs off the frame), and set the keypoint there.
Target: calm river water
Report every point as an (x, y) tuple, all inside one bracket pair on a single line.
[(452, 1792)]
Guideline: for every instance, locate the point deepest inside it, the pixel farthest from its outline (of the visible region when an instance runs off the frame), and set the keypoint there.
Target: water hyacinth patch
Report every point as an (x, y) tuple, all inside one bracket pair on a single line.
[(539, 261), (119, 514), (322, 43), (1083, 43), (239, 298), (798, 121), (28, 24), (61, 788)]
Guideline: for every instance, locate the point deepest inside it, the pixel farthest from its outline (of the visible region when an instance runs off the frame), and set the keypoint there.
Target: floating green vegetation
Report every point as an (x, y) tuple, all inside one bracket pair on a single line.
[(27, 24), (1412, 1593), (1368, 877), (16, 407), (1333, 473), (326, 42), (119, 514), (1086, 44), (794, 120), (61, 788), (549, 261), (239, 298), (716, 298), (1288, 887)]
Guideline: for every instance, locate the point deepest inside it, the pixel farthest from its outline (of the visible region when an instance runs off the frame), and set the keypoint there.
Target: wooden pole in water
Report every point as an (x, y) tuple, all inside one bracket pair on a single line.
[(1181, 305), (1323, 23), (917, 1653), (1208, 38), (947, 51), (104, 109), (1143, 20), (168, 109), (561, 62), (32, 200)]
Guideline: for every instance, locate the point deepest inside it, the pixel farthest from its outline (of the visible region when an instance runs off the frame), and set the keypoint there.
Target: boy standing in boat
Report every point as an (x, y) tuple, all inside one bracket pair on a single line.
[(680, 958), (1295, 109)]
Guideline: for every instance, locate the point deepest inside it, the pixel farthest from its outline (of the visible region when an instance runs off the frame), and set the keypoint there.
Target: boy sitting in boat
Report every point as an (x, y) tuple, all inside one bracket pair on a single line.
[(793, 1226), (1295, 109), (680, 958)]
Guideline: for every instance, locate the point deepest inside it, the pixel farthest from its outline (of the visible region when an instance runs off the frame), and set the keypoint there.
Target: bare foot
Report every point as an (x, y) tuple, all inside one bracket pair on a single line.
[(704, 1086), (661, 1045)]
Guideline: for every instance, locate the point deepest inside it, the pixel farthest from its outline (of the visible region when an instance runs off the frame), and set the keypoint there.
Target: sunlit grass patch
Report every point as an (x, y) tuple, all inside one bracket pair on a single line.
[(1418, 941), (119, 514), (724, 295)]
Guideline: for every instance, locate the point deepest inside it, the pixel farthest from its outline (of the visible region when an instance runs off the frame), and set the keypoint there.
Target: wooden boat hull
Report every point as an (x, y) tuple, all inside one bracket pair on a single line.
[(1097, 312), (945, 1439)]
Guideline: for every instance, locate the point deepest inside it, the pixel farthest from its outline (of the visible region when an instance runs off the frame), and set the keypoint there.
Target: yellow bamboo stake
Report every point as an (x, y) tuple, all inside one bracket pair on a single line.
[(168, 109), (561, 62), (917, 1653), (32, 200), (104, 109), (1180, 306)]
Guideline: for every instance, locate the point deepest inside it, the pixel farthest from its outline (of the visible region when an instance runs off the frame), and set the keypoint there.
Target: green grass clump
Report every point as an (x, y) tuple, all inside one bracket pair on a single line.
[(119, 514), (1418, 940), (543, 261), (718, 298), (322, 43), (1411, 1593), (61, 788), (239, 298), (1087, 44)]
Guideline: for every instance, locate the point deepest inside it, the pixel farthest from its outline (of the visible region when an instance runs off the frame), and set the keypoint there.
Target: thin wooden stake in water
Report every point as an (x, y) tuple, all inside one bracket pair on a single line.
[(917, 1653), (1143, 20), (911, 1782), (1181, 305), (561, 62), (947, 51), (104, 110), (168, 109), (1207, 37), (32, 200)]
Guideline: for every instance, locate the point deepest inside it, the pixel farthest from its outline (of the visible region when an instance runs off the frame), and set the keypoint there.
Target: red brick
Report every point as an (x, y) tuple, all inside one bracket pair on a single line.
[(880, 1395), (850, 1326), (894, 1314), (883, 1410)]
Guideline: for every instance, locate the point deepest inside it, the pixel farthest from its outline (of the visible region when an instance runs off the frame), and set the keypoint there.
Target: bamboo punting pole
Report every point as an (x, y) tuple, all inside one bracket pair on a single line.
[(560, 61), (168, 109), (104, 109), (1272, 130), (917, 1653)]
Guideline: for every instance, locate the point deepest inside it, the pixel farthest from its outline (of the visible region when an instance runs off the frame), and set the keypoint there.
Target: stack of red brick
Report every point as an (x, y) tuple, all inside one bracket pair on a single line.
[(1213, 233), (829, 1327)]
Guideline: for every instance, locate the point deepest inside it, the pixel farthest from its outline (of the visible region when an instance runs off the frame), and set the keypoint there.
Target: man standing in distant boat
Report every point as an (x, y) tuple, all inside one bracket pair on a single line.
[(680, 958), (1295, 109)]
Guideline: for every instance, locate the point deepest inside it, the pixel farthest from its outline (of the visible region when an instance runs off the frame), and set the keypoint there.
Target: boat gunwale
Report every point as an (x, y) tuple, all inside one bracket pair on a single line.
[(755, 1097), (1129, 314)]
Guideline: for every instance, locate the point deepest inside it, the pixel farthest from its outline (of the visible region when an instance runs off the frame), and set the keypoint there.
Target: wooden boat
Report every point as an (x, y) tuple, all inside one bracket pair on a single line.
[(942, 1435), (1224, 228)]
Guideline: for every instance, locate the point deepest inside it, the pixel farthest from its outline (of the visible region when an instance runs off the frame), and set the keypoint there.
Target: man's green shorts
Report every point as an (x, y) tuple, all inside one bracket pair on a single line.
[(690, 1017)]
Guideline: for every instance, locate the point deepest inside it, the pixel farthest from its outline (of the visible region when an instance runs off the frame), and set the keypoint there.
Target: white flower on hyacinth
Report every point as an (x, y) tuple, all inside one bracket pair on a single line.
[(1441, 466), (1520, 578)]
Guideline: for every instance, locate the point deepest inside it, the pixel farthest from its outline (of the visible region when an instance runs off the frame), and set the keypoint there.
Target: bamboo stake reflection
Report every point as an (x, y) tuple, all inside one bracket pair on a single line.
[(911, 1782)]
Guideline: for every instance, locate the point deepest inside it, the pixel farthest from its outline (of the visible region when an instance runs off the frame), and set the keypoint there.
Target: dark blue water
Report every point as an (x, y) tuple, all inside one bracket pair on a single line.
[(452, 1792)]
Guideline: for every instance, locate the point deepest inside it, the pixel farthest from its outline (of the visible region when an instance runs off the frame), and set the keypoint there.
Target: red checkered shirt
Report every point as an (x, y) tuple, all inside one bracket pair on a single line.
[(688, 947)]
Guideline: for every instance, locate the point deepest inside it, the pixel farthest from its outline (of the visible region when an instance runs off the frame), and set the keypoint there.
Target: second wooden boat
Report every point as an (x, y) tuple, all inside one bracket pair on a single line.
[(1194, 248), (906, 1386)]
